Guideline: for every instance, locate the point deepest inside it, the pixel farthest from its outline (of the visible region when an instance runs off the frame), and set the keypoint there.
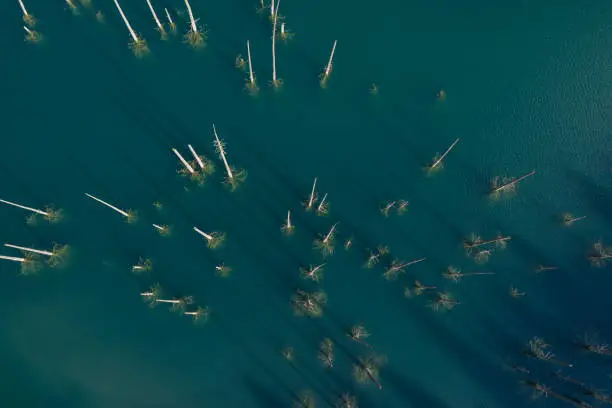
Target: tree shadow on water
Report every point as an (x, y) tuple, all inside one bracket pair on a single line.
[(265, 161), (472, 357), (265, 397), (410, 392), (132, 109), (129, 92)]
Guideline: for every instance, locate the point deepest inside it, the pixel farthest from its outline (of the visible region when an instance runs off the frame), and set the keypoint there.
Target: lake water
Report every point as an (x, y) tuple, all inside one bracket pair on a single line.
[(528, 87)]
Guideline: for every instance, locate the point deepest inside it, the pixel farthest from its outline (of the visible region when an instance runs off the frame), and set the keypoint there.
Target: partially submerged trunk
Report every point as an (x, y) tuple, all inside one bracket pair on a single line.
[(23, 207), (12, 258), (490, 241), (25, 249), (372, 378), (183, 161), (112, 207), (512, 182), (312, 198), (437, 162)]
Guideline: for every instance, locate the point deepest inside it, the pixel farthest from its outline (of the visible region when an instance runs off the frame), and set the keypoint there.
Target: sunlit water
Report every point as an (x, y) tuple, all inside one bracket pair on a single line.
[(528, 87)]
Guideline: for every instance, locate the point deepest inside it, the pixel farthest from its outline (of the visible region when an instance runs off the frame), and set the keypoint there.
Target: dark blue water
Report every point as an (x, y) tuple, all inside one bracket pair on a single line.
[(527, 87)]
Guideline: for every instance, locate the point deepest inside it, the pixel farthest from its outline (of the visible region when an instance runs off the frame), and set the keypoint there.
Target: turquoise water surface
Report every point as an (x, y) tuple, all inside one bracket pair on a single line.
[(528, 87)]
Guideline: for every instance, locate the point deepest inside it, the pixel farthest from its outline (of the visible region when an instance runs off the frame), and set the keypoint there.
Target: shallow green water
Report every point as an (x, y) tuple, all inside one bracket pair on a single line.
[(528, 87)]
